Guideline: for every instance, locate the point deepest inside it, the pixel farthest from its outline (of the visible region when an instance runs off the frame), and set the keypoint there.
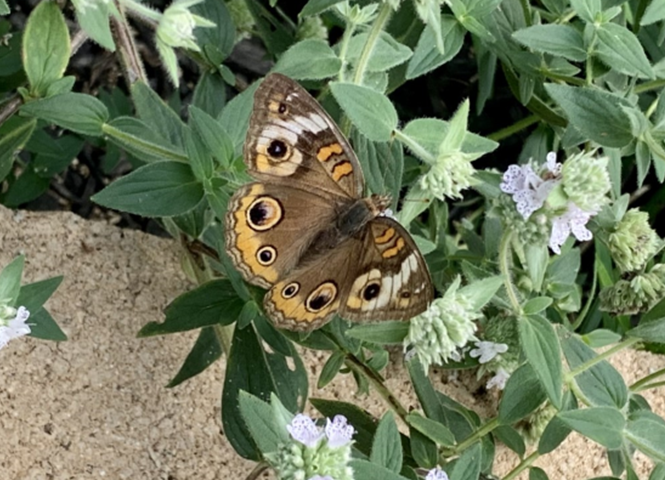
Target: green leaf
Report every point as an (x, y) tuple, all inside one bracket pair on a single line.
[(558, 40), (94, 20), (467, 466), (33, 295), (77, 112), (430, 132), (386, 446), (222, 36), (537, 257), (510, 438), (655, 12), (383, 333), (204, 353), (210, 93), (541, 347), (619, 49), (603, 425), (370, 111), (213, 303), (158, 115), (600, 338), (161, 189), (53, 155), (235, 116), (310, 59), (658, 472), (43, 326), (46, 47), (425, 391), (362, 469), (479, 293), (427, 56), (137, 138), (536, 473), (435, 431), (382, 164), (330, 368), (556, 431), (522, 395), (646, 431), (199, 156), (4, 8), (10, 280), (260, 420), (387, 53), (26, 188), (423, 450), (536, 305), (595, 113), (653, 331), (252, 369), (13, 141), (314, 7), (587, 9)]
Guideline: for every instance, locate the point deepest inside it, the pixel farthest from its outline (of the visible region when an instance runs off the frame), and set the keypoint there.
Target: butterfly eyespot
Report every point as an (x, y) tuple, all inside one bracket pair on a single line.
[(264, 213), (282, 108), (320, 298), (405, 295), (266, 255), (277, 149), (371, 291), (290, 290)]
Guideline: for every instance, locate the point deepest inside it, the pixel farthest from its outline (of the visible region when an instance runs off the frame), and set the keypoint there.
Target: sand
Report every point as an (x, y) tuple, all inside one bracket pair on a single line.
[(96, 406)]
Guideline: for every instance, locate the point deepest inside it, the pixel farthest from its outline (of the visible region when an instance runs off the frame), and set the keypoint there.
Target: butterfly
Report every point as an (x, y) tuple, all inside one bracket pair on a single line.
[(304, 229)]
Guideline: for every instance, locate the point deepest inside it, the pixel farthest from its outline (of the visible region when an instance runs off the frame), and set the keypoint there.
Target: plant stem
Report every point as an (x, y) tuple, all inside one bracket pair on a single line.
[(258, 470), (415, 147), (476, 436), (526, 10), (592, 296), (377, 28), (651, 85), (523, 465), (514, 128), (504, 266), (603, 356), (642, 384), (344, 47), (377, 382), (140, 9)]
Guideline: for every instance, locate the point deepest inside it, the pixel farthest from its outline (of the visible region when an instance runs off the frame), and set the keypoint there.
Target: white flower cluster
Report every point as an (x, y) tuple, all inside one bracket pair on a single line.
[(13, 327), (530, 189), (304, 430)]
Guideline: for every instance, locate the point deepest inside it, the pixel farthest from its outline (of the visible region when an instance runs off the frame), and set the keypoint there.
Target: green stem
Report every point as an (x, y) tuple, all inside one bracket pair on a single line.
[(603, 356), (650, 386), (523, 465), (648, 86), (476, 436), (504, 265), (514, 128), (526, 10), (592, 296), (415, 147), (344, 48), (140, 9), (377, 28), (377, 382), (258, 470), (642, 383)]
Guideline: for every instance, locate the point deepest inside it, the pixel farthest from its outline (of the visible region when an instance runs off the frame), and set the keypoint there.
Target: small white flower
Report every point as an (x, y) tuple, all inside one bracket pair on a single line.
[(436, 474), (498, 380), (573, 221), (304, 430), (528, 188), (16, 327), (339, 433), (487, 350)]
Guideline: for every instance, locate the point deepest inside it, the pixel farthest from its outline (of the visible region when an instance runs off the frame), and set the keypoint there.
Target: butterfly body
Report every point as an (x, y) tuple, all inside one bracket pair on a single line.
[(305, 231)]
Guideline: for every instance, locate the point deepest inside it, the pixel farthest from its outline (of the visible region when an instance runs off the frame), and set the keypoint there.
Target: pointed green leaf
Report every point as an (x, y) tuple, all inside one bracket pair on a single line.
[(160, 189), (559, 40), (77, 112), (603, 425), (387, 53), (33, 295), (386, 446), (310, 59), (432, 429), (330, 369), (620, 50), (370, 111), (158, 115), (10, 280), (13, 141), (646, 431), (204, 353), (522, 395), (384, 333), (42, 325), (427, 56), (260, 421)]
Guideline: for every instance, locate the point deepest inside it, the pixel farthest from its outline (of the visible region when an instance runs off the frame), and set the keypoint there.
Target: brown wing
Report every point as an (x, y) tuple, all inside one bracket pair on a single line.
[(268, 227), (292, 140), (392, 281)]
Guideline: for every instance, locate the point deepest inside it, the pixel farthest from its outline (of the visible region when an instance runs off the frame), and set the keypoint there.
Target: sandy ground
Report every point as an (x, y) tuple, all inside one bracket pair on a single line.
[(96, 406)]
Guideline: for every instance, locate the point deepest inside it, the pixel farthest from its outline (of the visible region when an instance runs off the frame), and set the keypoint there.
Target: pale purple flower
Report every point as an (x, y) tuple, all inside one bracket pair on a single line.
[(498, 380), (528, 188), (16, 327), (304, 430), (487, 350), (436, 474), (339, 432), (573, 221)]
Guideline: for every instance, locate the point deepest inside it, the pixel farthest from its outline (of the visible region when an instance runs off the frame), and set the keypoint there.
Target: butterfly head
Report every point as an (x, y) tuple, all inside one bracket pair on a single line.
[(378, 204)]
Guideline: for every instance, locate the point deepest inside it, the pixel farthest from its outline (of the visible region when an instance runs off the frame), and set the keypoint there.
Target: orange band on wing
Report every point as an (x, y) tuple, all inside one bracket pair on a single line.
[(386, 236), (328, 151), (342, 169), (391, 252)]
